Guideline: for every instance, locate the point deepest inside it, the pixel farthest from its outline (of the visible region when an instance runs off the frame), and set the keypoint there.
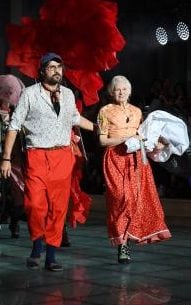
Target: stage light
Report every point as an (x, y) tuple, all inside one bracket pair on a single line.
[(182, 31), (161, 35)]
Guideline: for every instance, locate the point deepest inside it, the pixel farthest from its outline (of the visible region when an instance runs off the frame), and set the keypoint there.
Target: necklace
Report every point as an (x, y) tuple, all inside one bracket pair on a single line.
[(127, 117)]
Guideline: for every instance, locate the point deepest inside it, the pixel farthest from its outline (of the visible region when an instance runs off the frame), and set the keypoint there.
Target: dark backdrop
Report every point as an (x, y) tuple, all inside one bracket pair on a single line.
[(142, 60)]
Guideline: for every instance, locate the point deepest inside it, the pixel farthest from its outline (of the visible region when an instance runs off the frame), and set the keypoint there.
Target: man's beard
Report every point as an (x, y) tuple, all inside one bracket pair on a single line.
[(54, 79)]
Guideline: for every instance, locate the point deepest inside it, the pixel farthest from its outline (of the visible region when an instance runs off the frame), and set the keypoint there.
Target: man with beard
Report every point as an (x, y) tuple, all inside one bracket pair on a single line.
[(46, 112)]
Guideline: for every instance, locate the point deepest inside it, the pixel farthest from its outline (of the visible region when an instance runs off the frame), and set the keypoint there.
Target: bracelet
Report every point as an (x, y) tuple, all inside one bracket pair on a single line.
[(3, 159)]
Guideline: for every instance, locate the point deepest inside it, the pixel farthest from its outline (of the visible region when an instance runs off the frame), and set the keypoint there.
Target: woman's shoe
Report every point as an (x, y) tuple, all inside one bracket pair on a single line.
[(124, 254)]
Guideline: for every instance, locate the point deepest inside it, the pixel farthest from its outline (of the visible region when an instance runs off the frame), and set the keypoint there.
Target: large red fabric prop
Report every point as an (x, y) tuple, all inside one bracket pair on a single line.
[(83, 32)]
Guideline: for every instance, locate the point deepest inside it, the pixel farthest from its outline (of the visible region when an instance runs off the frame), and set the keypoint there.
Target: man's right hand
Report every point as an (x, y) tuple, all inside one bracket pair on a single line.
[(5, 168)]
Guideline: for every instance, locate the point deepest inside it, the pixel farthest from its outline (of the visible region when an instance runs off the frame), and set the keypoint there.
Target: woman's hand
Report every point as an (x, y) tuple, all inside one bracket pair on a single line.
[(139, 137), (159, 146), (162, 142)]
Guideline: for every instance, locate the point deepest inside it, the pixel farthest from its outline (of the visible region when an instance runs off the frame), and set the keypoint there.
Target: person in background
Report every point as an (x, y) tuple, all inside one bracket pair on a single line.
[(134, 210), (11, 88), (47, 112), (80, 201)]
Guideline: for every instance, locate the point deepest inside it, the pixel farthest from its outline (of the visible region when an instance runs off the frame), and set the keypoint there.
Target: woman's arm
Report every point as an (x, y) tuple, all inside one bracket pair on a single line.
[(105, 141)]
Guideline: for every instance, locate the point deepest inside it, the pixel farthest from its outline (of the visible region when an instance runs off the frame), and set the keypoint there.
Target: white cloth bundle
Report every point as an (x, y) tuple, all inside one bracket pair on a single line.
[(161, 124)]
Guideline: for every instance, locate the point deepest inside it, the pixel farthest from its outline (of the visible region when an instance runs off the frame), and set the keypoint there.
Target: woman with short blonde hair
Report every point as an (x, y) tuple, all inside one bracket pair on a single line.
[(134, 210)]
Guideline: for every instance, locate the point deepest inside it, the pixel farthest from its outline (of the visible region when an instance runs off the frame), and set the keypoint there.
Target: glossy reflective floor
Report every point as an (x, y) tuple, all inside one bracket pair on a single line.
[(159, 274)]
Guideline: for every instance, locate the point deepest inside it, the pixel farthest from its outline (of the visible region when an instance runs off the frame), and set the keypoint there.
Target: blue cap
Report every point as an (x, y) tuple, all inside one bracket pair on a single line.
[(48, 57)]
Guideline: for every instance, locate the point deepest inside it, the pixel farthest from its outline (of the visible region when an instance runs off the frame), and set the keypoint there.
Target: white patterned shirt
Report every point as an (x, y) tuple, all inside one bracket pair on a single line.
[(36, 114)]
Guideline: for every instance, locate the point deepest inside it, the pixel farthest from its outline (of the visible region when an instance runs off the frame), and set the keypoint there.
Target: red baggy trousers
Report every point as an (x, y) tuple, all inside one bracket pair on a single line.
[(47, 191)]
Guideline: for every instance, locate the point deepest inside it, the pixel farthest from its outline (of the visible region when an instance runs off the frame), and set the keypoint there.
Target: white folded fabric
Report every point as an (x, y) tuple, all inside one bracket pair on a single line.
[(161, 124), (133, 144)]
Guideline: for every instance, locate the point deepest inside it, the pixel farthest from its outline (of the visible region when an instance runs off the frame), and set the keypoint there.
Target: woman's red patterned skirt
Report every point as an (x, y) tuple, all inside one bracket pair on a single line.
[(134, 209)]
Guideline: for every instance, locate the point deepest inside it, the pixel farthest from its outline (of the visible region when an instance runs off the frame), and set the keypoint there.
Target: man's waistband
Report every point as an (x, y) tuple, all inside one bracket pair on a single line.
[(48, 148)]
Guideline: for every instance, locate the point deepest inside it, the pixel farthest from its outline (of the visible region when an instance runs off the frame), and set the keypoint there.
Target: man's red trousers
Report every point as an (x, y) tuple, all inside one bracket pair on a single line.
[(47, 191)]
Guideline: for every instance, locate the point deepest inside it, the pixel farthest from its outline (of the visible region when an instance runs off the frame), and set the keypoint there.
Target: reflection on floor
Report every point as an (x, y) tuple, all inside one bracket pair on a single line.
[(159, 274)]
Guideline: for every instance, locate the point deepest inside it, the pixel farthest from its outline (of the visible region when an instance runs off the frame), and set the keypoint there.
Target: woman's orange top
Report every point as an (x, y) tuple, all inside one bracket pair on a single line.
[(119, 121)]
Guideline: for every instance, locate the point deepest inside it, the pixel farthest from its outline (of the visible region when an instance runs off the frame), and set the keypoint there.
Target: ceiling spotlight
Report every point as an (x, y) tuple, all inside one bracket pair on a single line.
[(161, 36), (182, 31)]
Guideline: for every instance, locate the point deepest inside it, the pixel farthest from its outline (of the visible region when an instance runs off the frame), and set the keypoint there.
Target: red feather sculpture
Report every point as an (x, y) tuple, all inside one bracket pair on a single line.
[(83, 32)]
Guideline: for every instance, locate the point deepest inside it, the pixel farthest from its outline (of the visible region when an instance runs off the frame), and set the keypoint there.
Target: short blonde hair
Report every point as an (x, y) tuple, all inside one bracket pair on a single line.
[(118, 78)]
